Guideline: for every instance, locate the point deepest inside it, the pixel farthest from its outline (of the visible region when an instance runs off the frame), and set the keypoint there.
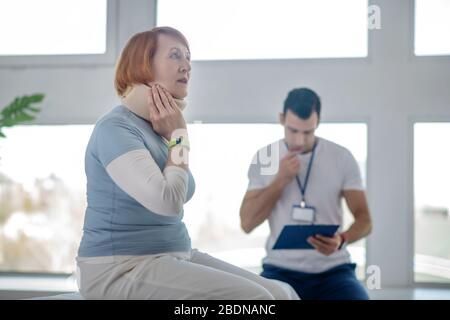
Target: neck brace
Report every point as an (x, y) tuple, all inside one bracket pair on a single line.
[(136, 100)]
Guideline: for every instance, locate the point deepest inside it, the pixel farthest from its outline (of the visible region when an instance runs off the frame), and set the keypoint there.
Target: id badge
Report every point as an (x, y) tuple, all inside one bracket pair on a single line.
[(303, 214)]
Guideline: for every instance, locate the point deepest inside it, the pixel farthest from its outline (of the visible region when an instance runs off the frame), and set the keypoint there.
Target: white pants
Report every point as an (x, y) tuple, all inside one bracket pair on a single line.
[(185, 275)]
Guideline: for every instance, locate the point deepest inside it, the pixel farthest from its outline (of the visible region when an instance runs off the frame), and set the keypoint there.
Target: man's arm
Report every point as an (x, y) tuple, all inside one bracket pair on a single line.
[(258, 204), (357, 203)]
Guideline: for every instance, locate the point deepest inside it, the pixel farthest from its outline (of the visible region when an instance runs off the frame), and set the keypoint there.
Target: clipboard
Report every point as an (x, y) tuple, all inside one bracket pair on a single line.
[(295, 236)]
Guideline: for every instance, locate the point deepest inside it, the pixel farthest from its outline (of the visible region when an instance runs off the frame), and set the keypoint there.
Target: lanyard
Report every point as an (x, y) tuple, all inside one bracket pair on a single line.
[(303, 189)]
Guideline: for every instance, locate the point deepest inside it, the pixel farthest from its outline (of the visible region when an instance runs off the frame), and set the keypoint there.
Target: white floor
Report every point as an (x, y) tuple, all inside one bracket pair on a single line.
[(410, 294), (10, 286), (384, 294)]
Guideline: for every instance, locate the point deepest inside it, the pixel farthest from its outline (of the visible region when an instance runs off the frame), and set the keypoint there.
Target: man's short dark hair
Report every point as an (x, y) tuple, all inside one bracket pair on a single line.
[(302, 102)]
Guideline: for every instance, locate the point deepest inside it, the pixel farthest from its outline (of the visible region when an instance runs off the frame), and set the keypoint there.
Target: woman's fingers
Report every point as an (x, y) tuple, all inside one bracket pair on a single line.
[(157, 100), (165, 118), (164, 99), (170, 99), (151, 103)]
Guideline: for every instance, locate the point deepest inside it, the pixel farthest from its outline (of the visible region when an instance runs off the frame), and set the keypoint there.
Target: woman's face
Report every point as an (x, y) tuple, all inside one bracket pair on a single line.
[(172, 65)]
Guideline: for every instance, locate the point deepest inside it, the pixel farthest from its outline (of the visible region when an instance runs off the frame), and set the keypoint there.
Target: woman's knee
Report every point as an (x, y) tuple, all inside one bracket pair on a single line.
[(256, 292), (282, 290), (244, 290)]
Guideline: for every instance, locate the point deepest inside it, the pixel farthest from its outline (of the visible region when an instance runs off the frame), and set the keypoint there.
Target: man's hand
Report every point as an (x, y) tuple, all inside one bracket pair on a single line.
[(325, 245), (289, 168)]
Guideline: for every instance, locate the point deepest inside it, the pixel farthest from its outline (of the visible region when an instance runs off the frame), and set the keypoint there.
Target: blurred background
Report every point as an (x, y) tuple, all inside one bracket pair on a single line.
[(381, 68)]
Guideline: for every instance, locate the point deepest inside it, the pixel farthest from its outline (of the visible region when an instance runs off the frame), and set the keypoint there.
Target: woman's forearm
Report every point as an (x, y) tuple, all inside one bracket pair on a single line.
[(162, 192), (178, 156)]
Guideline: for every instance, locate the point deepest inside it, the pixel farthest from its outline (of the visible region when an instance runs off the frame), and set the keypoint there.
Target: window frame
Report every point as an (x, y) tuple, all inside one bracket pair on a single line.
[(57, 281), (57, 275), (412, 40), (411, 199), (59, 60), (367, 59), (330, 120)]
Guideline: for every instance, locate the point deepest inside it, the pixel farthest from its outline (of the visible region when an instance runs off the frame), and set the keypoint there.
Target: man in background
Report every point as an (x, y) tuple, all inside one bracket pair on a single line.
[(312, 176)]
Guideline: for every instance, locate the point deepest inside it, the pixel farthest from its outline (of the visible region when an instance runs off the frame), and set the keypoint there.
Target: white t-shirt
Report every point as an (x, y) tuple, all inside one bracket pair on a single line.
[(334, 170)]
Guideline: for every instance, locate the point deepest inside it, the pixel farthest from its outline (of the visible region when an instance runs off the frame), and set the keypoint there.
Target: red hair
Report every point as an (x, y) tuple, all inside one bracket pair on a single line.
[(135, 62)]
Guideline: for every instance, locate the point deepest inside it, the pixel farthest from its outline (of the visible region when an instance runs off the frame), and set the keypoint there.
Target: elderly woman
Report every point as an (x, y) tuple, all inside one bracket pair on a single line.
[(135, 244)]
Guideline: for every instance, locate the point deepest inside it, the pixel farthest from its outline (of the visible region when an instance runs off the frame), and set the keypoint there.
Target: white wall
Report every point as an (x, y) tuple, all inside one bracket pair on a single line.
[(388, 90)]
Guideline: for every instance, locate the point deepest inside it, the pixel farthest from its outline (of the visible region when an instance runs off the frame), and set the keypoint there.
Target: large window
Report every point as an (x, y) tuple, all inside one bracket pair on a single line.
[(219, 160), (432, 27), (432, 202), (57, 32), (42, 197), (42, 27), (43, 186), (267, 29)]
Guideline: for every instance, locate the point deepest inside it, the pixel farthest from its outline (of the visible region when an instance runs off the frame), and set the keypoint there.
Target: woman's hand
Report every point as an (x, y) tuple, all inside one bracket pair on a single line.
[(165, 116)]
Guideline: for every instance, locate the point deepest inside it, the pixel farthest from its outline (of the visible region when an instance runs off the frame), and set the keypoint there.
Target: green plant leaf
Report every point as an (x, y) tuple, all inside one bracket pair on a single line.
[(19, 111)]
